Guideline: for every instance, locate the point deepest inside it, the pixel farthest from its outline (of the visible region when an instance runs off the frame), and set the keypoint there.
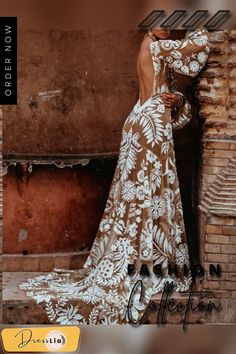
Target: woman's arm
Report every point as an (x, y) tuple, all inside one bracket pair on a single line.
[(186, 56), (180, 108), (172, 100), (181, 115)]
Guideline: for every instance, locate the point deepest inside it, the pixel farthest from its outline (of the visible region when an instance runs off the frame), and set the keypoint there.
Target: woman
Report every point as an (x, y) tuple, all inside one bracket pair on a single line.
[(142, 226)]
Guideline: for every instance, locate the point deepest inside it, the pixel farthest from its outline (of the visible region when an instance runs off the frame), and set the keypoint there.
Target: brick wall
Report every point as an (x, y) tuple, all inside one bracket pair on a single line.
[(216, 92), (0, 212)]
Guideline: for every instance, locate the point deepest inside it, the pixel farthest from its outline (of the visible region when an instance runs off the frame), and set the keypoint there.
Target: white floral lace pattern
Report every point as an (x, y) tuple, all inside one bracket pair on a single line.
[(143, 217)]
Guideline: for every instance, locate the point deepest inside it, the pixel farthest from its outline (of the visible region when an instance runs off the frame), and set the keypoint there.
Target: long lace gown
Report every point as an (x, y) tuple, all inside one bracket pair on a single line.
[(142, 222)]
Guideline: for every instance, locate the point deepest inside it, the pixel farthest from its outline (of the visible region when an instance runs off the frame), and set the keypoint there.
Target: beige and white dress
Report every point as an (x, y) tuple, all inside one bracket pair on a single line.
[(142, 222)]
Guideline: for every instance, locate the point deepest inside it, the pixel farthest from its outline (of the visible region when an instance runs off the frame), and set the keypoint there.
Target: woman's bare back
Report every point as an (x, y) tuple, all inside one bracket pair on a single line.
[(145, 70)]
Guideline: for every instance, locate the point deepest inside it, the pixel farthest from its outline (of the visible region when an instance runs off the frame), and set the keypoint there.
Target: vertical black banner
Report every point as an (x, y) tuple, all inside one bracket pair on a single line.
[(8, 60)]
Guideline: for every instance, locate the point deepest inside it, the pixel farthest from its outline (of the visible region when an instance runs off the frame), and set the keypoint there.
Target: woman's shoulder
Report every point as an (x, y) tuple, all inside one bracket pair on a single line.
[(144, 51)]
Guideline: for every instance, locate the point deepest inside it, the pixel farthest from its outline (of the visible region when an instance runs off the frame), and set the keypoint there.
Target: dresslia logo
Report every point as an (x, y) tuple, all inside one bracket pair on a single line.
[(41, 339), (8, 60), (182, 19)]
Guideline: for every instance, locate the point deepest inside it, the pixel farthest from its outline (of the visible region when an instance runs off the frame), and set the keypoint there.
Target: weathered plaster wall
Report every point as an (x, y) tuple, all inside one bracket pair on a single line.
[(93, 79), (54, 210)]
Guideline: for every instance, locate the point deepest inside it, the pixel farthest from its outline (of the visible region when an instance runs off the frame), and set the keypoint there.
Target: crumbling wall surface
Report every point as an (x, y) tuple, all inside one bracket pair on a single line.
[(68, 83), (216, 93), (54, 210)]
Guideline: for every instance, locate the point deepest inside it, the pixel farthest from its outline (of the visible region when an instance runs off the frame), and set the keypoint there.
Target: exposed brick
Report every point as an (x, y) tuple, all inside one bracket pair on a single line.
[(217, 50), (218, 258), (212, 285), (210, 161), (232, 258), (228, 276), (232, 311), (210, 178), (229, 230), (46, 264), (213, 229), (217, 37), (232, 74), (231, 62), (213, 238), (232, 240), (232, 35), (212, 170), (30, 264), (219, 153), (230, 249), (214, 73), (62, 262), (212, 248), (221, 220), (224, 239), (229, 267), (228, 285), (10, 264), (232, 146), (222, 294), (232, 277)]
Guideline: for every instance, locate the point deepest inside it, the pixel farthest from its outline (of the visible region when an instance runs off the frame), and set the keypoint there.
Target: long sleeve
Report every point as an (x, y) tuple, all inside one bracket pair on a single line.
[(187, 56), (183, 114)]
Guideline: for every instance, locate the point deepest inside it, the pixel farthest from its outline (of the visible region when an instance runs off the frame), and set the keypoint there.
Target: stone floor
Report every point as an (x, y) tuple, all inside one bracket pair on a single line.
[(19, 309), (10, 281)]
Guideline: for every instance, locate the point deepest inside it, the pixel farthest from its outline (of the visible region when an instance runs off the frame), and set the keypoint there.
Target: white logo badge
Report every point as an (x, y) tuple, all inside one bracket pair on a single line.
[(55, 340)]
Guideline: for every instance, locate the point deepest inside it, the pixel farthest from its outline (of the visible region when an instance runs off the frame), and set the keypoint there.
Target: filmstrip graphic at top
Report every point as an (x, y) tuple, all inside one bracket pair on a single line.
[(185, 20)]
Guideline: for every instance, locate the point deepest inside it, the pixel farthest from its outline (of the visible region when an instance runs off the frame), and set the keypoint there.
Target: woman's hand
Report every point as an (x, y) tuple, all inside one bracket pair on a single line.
[(171, 100)]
